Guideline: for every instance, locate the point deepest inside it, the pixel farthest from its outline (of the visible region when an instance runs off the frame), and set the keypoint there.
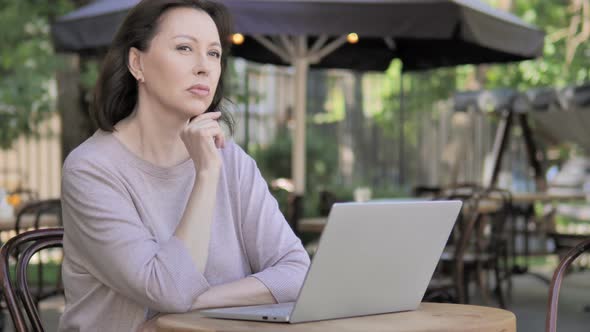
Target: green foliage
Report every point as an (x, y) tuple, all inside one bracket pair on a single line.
[(27, 65), (239, 89), (334, 105), (89, 74), (552, 68), (51, 272), (274, 162), (421, 91)]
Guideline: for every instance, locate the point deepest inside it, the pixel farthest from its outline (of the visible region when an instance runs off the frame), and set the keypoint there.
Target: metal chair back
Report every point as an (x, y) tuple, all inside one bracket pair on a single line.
[(17, 294), (551, 321)]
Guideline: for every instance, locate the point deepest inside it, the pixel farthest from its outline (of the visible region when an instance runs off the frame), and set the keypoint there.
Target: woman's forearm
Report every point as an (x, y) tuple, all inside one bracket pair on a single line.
[(247, 291), (194, 228)]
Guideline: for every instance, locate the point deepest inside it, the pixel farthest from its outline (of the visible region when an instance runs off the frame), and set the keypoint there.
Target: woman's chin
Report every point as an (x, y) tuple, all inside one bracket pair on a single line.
[(195, 109), (192, 113)]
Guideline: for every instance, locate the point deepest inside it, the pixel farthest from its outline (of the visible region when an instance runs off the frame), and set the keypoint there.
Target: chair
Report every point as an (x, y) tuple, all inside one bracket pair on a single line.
[(492, 244), (551, 321), (478, 243), (448, 282), (39, 209), (17, 293)]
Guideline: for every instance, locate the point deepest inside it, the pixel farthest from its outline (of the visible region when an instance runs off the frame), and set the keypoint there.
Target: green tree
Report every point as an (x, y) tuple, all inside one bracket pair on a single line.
[(27, 65), (565, 59)]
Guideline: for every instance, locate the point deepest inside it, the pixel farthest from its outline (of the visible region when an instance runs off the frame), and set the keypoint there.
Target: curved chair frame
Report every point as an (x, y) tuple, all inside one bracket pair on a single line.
[(28, 243), (552, 305)]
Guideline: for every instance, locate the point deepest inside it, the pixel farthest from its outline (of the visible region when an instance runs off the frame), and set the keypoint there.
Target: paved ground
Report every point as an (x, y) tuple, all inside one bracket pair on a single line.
[(529, 302)]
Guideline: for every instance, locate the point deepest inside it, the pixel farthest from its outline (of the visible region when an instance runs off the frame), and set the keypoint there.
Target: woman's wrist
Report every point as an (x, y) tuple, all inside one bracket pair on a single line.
[(203, 301), (208, 173)]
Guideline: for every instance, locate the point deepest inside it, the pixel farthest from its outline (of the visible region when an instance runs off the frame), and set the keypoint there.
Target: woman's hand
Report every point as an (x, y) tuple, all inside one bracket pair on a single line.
[(202, 136)]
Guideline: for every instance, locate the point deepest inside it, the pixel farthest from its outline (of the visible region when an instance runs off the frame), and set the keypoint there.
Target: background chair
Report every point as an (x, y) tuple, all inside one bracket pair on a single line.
[(17, 293), (491, 249), (39, 210), (448, 282), (552, 305), (477, 247)]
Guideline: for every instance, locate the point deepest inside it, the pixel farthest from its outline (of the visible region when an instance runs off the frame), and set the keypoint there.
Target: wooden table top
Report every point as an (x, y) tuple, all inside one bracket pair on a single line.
[(317, 224), (312, 225), (429, 317), (543, 197)]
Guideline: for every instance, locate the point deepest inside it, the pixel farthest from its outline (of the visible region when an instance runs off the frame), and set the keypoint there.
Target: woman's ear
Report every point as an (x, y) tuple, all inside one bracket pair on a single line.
[(134, 64)]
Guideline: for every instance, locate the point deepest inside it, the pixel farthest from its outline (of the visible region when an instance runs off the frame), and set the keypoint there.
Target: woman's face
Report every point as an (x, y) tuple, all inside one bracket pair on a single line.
[(182, 65)]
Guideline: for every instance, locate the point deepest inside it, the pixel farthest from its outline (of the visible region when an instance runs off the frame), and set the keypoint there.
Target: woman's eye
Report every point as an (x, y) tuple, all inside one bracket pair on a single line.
[(183, 48), (215, 54)]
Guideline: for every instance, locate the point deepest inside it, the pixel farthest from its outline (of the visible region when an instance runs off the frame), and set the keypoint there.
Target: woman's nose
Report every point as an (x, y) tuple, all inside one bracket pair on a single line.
[(201, 66)]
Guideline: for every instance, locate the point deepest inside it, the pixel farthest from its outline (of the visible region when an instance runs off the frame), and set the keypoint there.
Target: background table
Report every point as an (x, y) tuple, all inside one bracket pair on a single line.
[(317, 224), (543, 197), (28, 220), (428, 317)]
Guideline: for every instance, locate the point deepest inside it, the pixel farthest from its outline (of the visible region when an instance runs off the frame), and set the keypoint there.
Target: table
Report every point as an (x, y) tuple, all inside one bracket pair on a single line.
[(428, 317), (312, 225), (28, 220), (317, 225), (542, 197)]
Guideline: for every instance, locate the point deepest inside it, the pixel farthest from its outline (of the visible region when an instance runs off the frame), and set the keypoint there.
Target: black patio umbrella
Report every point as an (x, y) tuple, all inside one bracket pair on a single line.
[(423, 34)]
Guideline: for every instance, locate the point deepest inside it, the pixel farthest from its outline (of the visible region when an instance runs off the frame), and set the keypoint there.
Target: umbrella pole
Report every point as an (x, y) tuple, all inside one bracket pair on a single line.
[(247, 109), (401, 129), (298, 151), (301, 62)]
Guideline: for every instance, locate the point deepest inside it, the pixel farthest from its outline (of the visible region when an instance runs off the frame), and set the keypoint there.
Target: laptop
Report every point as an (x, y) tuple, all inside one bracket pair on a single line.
[(372, 258)]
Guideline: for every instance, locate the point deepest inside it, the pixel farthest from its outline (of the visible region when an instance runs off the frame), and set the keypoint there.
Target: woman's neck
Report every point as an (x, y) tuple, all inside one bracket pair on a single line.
[(153, 135)]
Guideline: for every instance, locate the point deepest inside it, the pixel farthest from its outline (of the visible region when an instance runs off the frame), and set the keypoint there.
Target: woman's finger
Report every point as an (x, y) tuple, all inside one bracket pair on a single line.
[(207, 115), (218, 136)]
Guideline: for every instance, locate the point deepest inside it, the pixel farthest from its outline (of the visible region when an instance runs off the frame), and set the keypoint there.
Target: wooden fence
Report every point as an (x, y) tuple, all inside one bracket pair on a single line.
[(35, 162)]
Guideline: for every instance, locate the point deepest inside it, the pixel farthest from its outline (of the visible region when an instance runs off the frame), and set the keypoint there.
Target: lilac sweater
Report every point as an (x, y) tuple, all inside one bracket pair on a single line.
[(122, 263)]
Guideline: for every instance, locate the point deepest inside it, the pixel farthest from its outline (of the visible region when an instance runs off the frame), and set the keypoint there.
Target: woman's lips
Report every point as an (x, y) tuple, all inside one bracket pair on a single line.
[(199, 90)]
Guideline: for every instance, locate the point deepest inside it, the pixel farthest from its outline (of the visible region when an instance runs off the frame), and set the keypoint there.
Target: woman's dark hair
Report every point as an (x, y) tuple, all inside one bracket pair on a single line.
[(115, 94)]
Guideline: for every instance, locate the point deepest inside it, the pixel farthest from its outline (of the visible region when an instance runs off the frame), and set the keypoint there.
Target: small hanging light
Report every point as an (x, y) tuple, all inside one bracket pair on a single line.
[(352, 38), (237, 38)]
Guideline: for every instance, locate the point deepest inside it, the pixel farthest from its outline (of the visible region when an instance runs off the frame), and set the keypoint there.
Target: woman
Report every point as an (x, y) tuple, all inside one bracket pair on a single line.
[(161, 212)]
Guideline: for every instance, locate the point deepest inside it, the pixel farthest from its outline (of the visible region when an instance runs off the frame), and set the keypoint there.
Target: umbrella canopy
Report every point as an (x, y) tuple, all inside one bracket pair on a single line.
[(421, 33), (314, 33)]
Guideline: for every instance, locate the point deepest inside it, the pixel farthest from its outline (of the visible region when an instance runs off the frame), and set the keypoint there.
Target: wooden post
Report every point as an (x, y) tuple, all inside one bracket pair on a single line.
[(68, 102), (500, 142), (541, 184)]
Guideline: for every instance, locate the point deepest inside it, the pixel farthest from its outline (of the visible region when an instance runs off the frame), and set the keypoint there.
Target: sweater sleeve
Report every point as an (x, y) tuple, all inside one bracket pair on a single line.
[(104, 231), (276, 255)]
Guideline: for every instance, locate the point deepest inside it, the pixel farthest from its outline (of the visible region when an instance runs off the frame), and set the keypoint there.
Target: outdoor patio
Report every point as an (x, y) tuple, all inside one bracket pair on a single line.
[(403, 108)]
